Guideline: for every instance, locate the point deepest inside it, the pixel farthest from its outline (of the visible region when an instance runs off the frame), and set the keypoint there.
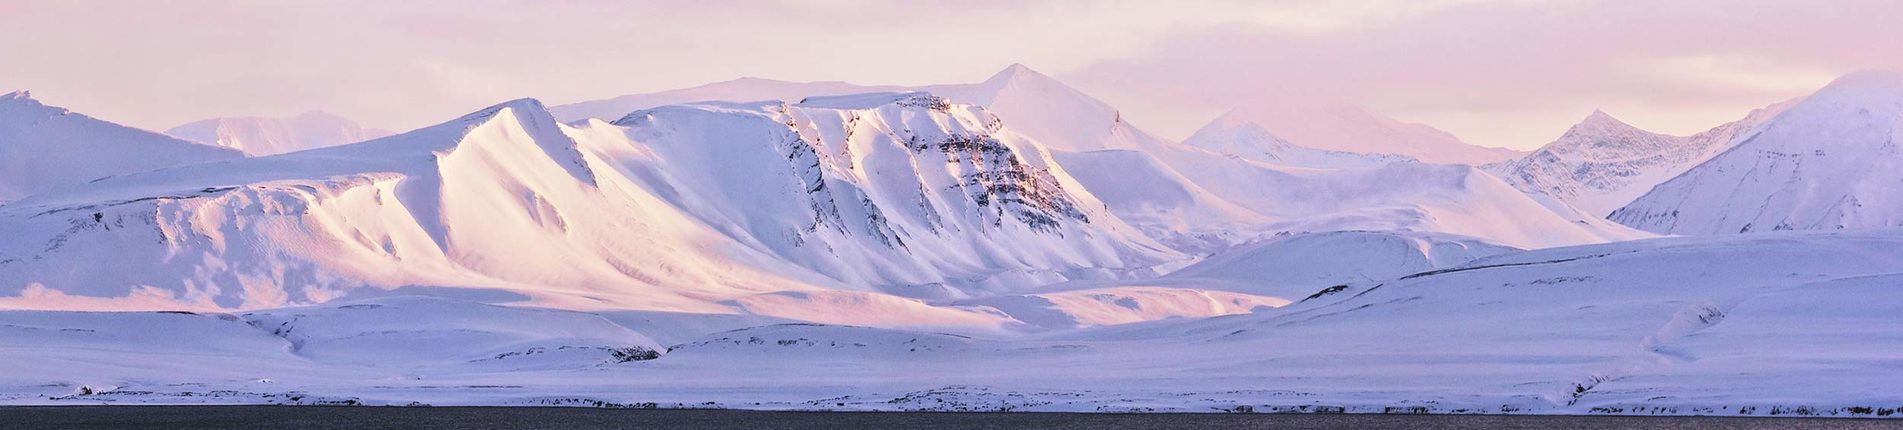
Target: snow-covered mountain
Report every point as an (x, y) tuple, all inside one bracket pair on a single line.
[(260, 136), (907, 191), (499, 199), (1829, 162), (1353, 129), (1601, 164), (711, 208), (45, 148), (1201, 201), (1232, 135)]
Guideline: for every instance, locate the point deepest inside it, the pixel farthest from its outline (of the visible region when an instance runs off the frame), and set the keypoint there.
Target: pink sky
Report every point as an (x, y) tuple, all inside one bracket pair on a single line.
[(1511, 73)]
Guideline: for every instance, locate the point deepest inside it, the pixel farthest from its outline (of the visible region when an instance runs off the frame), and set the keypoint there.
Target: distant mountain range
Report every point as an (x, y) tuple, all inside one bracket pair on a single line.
[(258, 136)]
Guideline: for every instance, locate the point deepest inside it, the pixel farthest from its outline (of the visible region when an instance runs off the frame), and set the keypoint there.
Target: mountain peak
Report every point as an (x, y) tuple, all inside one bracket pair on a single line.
[(1235, 123), (1599, 123), (17, 95), (1016, 72), (1601, 118), (521, 106)]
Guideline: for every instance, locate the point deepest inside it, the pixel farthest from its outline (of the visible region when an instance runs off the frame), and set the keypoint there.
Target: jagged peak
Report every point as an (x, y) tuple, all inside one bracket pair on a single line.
[(1600, 118), (22, 101)]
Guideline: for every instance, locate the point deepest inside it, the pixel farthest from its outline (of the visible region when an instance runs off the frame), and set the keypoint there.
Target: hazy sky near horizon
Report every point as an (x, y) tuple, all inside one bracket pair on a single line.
[(1511, 73)]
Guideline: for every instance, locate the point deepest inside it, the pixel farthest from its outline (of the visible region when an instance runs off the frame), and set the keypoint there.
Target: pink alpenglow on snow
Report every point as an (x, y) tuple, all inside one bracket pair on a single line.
[(1200, 206)]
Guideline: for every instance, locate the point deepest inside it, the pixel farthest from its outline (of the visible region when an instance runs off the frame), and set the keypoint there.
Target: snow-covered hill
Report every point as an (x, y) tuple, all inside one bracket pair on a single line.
[(1601, 164), (1295, 266), (1829, 162), (1352, 129), (46, 148), (260, 136), (1234, 136)]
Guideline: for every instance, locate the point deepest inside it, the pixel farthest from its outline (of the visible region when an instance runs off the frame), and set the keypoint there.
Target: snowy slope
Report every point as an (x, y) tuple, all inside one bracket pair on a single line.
[(1601, 164), (1351, 129), (260, 136), (1295, 266), (45, 148), (1828, 162), (1165, 204), (1232, 135)]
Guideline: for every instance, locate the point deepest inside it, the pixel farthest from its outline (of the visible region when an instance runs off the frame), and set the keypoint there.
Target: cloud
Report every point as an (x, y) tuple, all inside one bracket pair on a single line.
[(1503, 72)]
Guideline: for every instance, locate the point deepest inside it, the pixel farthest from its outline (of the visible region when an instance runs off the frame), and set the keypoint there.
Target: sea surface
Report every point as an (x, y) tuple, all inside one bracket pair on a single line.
[(317, 417)]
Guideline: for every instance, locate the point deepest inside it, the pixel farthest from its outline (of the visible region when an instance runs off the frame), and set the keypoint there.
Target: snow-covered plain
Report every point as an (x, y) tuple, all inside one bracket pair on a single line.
[(1771, 324), (1012, 244)]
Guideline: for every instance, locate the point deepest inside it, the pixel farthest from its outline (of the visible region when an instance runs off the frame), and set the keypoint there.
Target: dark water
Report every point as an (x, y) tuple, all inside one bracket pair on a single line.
[(311, 417)]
